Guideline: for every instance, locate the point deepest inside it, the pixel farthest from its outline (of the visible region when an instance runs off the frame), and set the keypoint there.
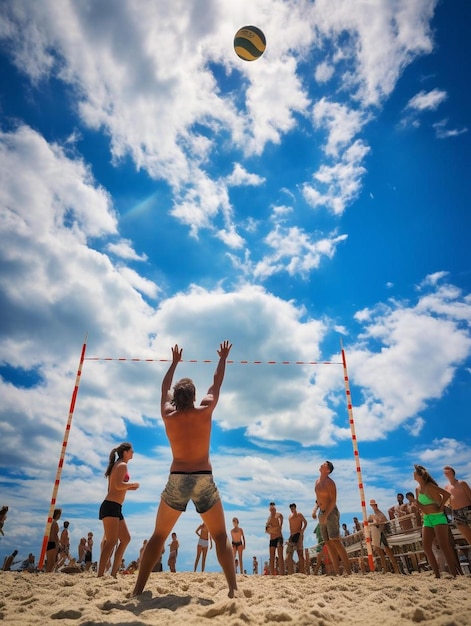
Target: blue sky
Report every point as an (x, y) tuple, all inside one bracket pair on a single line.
[(157, 189)]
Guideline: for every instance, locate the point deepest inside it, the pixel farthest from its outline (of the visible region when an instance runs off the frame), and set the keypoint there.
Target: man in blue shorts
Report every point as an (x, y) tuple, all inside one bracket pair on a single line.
[(188, 430)]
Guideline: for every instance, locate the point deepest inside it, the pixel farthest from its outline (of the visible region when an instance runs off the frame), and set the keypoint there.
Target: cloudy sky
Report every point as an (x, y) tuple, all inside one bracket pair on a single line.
[(155, 189)]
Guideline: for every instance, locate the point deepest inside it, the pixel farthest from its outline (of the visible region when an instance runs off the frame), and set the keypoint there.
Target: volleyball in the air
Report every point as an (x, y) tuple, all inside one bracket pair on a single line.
[(249, 43)]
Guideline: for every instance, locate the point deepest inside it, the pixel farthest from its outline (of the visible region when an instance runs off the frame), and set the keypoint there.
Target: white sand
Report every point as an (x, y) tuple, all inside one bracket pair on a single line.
[(199, 599)]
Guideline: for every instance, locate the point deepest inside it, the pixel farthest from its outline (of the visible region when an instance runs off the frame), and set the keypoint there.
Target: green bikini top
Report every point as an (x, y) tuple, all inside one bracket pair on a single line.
[(424, 499)]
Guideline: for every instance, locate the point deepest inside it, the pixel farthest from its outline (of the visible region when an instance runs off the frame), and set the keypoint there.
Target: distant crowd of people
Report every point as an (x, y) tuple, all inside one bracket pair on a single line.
[(427, 509), (188, 429)]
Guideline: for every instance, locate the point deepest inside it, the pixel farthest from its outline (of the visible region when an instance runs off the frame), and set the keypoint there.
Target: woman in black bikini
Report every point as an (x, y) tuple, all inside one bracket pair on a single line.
[(115, 530)]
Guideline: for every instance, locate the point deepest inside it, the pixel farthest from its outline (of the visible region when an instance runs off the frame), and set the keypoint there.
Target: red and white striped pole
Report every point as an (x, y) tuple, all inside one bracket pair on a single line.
[(357, 461), (55, 489)]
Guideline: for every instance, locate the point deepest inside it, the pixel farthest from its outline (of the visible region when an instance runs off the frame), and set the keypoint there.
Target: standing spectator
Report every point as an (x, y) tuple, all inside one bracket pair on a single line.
[(238, 542), (329, 517), (379, 540), (346, 532), (432, 500), (173, 553), (274, 527), (53, 543), (297, 526), (204, 541), (158, 567), (254, 565), (114, 524), (356, 525), (82, 550), (89, 552), (394, 512), (64, 547), (408, 508), (188, 430), (460, 502)]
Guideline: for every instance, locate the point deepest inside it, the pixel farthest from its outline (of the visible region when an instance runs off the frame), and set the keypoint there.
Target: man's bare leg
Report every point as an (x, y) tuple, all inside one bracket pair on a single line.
[(165, 520), (342, 555), (334, 559), (214, 520)]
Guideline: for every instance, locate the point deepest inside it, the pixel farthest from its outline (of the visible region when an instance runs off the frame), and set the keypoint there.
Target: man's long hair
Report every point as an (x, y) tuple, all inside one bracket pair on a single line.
[(184, 394)]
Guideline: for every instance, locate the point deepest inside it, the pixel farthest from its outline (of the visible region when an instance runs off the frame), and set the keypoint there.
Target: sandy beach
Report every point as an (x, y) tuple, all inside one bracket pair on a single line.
[(195, 598)]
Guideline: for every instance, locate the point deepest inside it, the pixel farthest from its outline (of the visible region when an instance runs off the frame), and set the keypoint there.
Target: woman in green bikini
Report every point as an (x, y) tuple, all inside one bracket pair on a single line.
[(431, 501)]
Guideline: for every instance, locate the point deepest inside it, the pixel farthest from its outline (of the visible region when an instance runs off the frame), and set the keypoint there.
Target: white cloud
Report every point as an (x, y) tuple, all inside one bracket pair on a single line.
[(324, 72), (421, 347), (131, 93), (240, 176), (341, 122), (335, 186), (427, 101), (382, 38), (124, 249), (445, 133)]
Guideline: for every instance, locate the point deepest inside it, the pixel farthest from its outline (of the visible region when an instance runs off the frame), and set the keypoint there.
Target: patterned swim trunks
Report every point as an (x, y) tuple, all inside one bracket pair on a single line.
[(198, 487), (462, 516), (330, 528)]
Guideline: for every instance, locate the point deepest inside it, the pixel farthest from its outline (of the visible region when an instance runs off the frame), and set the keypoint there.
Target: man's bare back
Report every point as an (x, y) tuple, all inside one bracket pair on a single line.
[(189, 434)]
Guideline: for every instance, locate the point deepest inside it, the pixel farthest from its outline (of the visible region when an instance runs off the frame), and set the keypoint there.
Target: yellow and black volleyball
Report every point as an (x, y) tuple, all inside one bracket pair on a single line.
[(249, 43)]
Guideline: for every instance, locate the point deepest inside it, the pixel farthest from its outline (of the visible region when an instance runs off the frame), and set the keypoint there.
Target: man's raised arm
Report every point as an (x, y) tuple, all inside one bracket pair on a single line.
[(167, 381), (213, 392)]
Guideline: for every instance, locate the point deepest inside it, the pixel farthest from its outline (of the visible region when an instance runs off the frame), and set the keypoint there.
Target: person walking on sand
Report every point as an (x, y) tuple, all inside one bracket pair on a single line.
[(273, 527), (431, 501), (329, 517), (53, 543), (204, 541), (173, 553), (238, 543), (188, 429), (114, 525), (460, 502)]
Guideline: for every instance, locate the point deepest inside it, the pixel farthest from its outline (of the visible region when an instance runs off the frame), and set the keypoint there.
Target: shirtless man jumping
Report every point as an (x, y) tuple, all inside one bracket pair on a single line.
[(329, 517), (188, 430)]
